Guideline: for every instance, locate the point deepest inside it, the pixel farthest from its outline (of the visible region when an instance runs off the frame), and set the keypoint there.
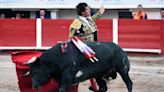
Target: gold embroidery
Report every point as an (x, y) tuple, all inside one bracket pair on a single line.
[(76, 24)]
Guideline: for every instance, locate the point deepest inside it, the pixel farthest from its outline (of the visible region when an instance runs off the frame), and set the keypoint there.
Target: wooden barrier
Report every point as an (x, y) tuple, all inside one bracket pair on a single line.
[(105, 27), (162, 37), (54, 30), (17, 33), (140, 36)]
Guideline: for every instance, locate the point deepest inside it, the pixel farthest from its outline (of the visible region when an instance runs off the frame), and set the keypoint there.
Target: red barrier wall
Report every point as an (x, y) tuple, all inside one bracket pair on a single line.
[(55, 30), (162, 37), (139, 34), (17, 32), (105, 27), (143, 34), (58, 30)]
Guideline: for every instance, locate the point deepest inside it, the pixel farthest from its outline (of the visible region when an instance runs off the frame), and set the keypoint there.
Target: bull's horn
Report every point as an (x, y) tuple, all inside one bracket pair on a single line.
[(26, 74), (32, 60)]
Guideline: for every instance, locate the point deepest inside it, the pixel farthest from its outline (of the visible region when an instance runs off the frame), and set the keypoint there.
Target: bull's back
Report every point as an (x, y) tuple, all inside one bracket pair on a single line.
[(104, 48), (106, 52)]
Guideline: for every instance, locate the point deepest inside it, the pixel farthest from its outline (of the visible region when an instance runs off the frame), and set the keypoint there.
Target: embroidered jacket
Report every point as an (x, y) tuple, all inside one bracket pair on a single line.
[(84, 27)]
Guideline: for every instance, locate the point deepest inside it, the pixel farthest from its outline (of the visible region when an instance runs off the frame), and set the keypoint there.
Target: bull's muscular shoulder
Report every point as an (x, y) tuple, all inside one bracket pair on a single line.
[(76, 24)]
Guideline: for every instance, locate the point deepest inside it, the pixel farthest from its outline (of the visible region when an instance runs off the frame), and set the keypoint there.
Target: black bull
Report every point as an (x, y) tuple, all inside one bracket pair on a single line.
[(73, 67)]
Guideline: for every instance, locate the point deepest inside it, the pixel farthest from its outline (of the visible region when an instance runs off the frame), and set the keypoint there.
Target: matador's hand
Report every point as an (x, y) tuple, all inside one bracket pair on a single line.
[(101, 9)]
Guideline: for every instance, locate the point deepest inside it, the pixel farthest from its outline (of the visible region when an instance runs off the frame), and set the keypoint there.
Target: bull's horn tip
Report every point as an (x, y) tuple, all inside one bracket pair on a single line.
[(26, 74)]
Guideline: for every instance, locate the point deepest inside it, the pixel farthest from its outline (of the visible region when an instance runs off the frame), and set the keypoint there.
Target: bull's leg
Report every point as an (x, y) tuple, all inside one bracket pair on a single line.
[(102, 85), (125, 76), (66, 79), (63, 83), (123, 67)]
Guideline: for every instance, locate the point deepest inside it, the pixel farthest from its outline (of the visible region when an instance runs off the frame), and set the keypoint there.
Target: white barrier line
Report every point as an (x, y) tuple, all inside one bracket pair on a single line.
[(18, 48), (115, 31), (142, 50), (38, 32), (24, 48)]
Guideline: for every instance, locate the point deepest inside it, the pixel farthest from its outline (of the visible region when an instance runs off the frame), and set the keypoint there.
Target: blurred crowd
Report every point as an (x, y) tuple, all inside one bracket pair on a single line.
[(44, 14)]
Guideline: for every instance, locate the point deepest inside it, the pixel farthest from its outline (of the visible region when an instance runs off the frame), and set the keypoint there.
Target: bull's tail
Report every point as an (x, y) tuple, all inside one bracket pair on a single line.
[(123, 68)]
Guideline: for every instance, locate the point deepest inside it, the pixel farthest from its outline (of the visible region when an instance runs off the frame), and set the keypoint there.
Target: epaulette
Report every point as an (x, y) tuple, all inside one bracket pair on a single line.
[(76, 24)]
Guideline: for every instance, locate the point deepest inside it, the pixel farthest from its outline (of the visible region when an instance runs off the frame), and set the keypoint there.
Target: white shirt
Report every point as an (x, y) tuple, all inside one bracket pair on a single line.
[(86, 21)]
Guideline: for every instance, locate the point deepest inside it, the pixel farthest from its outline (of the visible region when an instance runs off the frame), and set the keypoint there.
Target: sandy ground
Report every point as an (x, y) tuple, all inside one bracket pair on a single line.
[(147, 74)]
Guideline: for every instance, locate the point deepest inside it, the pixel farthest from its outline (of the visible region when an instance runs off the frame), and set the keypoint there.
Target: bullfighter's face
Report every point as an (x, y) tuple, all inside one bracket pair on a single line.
[(86, 12), (38, 73)]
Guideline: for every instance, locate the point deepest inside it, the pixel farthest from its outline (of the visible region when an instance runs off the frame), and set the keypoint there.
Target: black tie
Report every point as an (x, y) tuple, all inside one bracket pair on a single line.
[(94, 26), (90, 22)]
